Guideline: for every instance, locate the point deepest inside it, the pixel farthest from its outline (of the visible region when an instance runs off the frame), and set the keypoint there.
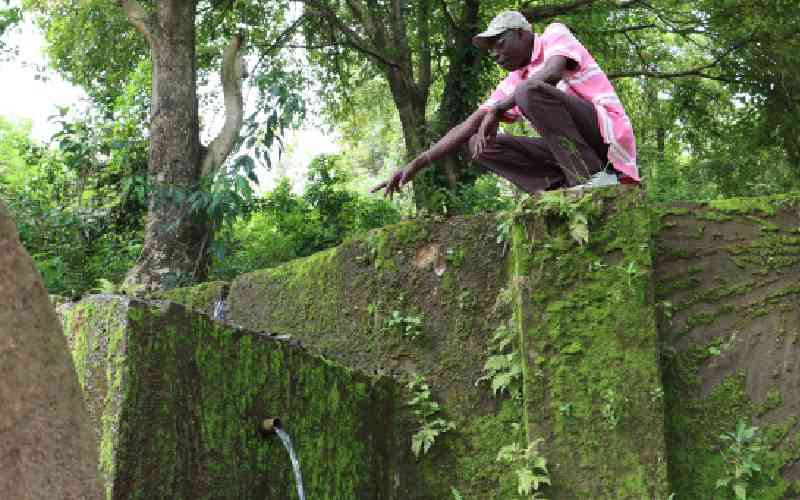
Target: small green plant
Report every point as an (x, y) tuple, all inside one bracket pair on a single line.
[(657, 395), (744, 446), (611, 408), (407, 326), (504, 366), (456, 493), (566, 409), (108, 286), (466, 300), (531, 467), (576, 211), (425, 410), (632, 272)]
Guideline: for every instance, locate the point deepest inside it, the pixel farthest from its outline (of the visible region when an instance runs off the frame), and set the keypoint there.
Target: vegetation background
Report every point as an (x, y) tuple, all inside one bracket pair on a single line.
[(711, 86)]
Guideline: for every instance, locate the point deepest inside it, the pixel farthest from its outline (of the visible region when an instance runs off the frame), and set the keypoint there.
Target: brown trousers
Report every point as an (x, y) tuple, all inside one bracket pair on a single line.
[(568, 152)]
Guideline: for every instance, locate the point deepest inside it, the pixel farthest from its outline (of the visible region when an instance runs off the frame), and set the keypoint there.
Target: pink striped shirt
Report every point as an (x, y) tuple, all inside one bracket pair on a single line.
[(589, 83)]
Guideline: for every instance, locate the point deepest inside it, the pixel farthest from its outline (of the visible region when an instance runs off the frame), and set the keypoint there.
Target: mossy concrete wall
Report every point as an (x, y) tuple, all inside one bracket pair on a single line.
[(355, 303), (596, 345), (727, 287), (588, 333), (703, 297), (177, 401)]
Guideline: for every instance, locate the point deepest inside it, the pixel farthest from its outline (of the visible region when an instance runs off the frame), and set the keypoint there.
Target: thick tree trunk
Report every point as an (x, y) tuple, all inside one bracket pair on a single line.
[(460, 89), (173, 236)]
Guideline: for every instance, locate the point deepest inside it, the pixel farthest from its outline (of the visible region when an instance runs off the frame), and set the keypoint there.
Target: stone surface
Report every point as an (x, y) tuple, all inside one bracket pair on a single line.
[(47, 448), (728, 287), (178, 400), (704, 296), (359, 304), (586, 320)]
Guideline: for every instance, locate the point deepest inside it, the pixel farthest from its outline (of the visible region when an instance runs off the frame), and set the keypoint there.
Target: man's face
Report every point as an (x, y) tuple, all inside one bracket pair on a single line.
[(509, 50)]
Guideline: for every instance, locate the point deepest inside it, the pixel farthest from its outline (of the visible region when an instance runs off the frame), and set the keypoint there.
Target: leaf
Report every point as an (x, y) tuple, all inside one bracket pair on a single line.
[(525, 480), (500, 382), (579, 228), (741, 491)]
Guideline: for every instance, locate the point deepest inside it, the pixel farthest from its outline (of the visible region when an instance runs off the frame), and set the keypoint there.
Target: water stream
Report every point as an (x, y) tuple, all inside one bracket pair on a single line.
[(287, 443), (219, 310)]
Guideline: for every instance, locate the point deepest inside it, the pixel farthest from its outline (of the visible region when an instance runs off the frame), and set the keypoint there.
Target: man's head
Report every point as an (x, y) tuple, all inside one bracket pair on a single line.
[(509, 39)]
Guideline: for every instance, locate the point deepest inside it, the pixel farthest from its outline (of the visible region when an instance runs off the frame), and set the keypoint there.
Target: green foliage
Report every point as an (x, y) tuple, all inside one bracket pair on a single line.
[(740, 457), (283, 225), (611, 409), (107, 286), (575, 210), (408, 326), (425, 410), (503, 369), (71, 214), (531, 467)]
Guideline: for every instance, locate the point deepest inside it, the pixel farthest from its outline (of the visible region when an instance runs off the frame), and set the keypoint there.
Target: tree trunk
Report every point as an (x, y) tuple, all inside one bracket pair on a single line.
[(460, 89), (173, 235)]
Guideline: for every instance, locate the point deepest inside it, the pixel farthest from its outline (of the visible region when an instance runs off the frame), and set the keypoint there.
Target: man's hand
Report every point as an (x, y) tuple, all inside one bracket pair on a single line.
[(398, 179), (486, 132)]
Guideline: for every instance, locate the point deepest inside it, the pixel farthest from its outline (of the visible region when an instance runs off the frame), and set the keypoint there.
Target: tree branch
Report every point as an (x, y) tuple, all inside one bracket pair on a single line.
[(549, 11), (233, 72), (351, 37), (691, 72), (139, 18)]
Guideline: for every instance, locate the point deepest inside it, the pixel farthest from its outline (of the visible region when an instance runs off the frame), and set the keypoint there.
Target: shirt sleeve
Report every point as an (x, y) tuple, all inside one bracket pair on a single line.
[(558, 40), (503, 91)]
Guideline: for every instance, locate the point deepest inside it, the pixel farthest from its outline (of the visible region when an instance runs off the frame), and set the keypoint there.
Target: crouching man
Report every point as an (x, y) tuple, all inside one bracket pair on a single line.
[(556, 85)]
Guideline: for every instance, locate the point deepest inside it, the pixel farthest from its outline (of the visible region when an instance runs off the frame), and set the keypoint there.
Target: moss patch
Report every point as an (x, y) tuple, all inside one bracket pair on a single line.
[(192, 396), (592, 382)]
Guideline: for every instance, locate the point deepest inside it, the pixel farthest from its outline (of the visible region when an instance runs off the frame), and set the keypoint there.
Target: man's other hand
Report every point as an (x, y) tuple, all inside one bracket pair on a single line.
[(486, 132), (398, 179)]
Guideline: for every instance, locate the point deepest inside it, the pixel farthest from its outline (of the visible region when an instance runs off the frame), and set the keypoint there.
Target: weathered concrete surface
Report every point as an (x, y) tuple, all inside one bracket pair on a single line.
[(457, 277), (47, 448), (359, 304), (716, 284), (728, 290), (178, 400), (586, 320)]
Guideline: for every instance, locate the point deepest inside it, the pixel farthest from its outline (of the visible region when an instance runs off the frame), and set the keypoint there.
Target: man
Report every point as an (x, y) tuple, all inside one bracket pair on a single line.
[(558, 87)]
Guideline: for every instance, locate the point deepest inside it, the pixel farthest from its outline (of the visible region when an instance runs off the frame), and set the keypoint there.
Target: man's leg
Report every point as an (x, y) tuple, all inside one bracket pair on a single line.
[(569, 125), (525, 161)]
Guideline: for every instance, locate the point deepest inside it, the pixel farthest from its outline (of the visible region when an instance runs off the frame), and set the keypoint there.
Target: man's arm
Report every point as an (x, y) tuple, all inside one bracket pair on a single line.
[(450, 143), (551, 73)]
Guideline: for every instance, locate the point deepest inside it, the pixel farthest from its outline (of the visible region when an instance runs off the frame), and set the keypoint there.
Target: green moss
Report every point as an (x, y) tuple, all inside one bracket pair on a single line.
[(591, 346), (714, 216), (744, 206), (199, 297), (201, 391), (695, 425)]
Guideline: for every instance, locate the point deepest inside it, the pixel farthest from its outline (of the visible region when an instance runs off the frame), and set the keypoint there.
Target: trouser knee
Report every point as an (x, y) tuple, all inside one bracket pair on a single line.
[(532, 91)]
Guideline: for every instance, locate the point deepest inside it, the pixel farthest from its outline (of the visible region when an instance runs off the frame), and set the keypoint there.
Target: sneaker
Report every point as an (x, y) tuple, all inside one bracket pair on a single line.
[(607, 177)]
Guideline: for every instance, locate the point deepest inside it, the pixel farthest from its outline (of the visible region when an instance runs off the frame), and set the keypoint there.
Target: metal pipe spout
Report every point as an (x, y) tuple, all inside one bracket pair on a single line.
[(269, 425)]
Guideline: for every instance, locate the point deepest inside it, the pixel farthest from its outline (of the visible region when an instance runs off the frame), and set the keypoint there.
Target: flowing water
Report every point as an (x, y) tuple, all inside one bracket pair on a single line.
[(219, 311), (287, 443)]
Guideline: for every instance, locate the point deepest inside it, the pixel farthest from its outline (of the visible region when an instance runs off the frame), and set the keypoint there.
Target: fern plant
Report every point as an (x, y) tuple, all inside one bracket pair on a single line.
[(575, 211), (503, 368), (531, 468), (425, 410)]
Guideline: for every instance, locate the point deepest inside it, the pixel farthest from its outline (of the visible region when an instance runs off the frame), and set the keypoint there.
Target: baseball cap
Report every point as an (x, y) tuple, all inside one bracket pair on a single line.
[(506, 20)]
